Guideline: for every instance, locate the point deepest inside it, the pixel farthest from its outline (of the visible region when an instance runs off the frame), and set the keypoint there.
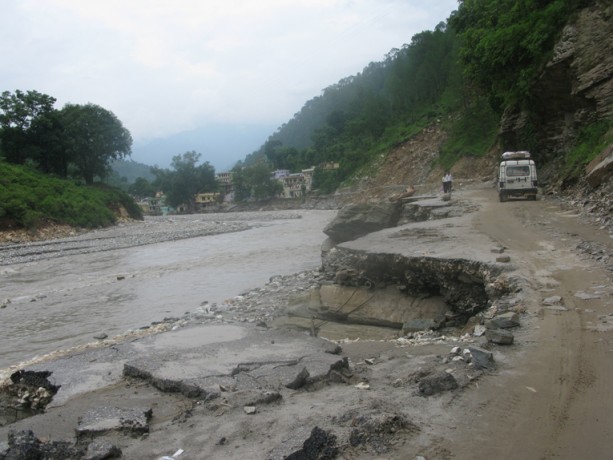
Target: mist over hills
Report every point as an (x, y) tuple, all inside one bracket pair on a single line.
[(222, 145)]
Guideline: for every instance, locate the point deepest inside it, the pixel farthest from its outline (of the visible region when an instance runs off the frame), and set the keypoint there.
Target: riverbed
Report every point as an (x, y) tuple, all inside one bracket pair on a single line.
[(122, 279)]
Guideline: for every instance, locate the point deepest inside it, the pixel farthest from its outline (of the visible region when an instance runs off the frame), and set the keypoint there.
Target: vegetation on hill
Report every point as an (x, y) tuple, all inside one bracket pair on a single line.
[(482, 61), (46, 153), (29, 198)]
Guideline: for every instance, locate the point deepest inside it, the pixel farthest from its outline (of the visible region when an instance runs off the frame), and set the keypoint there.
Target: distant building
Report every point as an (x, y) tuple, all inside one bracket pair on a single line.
[(329, 165), (280, 173), (224, 180), (153, 206), (207, 201)]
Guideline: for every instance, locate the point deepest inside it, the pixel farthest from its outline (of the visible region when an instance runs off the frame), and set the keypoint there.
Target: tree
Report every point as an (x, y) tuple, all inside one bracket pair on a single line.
[(19, 112), (186, 180), (254, 181), (93, 137), (142, 188)]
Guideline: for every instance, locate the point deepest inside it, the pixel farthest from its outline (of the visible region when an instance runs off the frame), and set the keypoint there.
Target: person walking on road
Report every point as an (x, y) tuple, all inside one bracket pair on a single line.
[(447, 182)]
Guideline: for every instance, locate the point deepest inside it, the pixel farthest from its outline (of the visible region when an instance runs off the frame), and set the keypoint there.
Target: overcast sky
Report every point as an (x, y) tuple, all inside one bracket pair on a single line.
[(168, 66)]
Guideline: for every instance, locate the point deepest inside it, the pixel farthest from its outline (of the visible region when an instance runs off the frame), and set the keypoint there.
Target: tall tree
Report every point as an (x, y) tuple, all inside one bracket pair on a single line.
[(94, 136), (186, 179), (18, 113)]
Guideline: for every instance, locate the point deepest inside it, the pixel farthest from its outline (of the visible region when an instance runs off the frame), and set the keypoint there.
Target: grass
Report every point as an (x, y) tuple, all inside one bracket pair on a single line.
[(29, 199)]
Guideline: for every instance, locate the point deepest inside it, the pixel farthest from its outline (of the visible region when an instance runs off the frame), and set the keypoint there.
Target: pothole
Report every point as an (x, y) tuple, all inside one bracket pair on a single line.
[(25, 394)]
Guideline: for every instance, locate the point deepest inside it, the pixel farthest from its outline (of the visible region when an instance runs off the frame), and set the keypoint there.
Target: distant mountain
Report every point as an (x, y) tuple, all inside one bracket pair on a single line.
[(132, 170), (222, 145)]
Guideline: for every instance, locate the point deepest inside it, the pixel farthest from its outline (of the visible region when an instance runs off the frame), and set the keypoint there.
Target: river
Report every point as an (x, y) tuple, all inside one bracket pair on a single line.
[(63, 302)]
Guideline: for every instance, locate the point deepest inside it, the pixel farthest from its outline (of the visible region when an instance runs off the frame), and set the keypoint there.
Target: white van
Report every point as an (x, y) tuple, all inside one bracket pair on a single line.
[(517, 176)]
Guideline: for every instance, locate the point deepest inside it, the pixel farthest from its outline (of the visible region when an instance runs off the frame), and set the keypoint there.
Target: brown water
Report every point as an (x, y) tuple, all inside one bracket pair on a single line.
[(63, 302)]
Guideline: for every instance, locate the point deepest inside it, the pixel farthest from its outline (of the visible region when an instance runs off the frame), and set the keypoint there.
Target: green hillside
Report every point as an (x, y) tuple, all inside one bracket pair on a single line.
[(479, 66), (30, 199)]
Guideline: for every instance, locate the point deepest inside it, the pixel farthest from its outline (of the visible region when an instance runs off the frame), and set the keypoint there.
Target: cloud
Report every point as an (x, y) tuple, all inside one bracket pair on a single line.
[(165, 66)]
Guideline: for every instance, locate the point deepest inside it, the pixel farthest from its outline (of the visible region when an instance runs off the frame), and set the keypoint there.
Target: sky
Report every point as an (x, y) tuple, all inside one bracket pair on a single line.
[(219, 74)]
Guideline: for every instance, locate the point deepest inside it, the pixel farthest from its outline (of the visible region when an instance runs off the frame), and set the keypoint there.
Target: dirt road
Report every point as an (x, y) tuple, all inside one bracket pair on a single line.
[(553, 398)]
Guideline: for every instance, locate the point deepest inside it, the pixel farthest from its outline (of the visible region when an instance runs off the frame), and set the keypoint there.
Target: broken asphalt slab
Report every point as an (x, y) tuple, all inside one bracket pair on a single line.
[(199, 360)]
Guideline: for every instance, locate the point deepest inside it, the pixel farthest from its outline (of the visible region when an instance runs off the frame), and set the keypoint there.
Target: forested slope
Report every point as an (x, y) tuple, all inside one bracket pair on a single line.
[(496, 75)]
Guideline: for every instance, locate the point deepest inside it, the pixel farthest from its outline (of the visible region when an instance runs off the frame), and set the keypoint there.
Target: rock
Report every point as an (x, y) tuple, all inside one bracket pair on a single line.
[(586, 296), (601, 168), (504, 321), (101, 450), (503, 259), (482, 359), (23, 445), (319, 445), (479, 330), (360, 219), (553, 300), (299, 380), (437, 383), (101, 336), (102, 420), (362, 386), (499, 336), (250, 410)]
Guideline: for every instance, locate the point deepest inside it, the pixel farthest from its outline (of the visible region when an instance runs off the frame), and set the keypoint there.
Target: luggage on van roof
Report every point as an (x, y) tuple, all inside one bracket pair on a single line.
[(519, 155)]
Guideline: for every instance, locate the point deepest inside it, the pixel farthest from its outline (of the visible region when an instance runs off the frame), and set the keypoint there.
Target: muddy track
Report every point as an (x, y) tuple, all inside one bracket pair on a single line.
[(551, 397)]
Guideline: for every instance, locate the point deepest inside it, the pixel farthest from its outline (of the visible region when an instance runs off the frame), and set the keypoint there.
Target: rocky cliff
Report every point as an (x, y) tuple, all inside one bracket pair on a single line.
[(574, 89)]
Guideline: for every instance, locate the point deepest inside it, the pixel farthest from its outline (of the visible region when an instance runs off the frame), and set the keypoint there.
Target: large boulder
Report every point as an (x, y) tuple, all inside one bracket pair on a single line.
[(357, 220)]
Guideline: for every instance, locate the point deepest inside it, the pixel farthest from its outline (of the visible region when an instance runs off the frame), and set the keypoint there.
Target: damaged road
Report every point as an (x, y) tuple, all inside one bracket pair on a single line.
[(514, 333)]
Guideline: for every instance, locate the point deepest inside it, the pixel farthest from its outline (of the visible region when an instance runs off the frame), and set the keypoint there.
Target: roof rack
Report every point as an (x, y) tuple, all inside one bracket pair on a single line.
[(519, 155)]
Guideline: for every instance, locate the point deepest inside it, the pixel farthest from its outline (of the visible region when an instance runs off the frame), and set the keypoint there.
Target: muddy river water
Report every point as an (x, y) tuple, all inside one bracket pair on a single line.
[(61, 302)]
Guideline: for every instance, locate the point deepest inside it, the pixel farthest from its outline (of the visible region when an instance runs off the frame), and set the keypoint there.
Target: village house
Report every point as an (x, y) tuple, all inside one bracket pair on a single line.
[(207, 201), (224, 180)]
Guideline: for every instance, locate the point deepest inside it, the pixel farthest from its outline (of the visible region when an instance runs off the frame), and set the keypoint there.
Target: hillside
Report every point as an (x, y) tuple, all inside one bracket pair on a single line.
[(30, 200)]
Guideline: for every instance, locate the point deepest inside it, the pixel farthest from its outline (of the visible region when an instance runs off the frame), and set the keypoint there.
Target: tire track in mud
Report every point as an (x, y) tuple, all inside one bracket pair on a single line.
[(553, 400)]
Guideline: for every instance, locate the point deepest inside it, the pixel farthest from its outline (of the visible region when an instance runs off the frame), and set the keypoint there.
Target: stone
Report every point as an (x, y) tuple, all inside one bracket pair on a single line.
[(601, 170), (250, 410), (586, 296), (499, 336), (479, 330), (101, 450), (482, 359), (503, 259), (437, 383), (101, 420), (553, 300), (299, 380), (360, 219), (504, 321)]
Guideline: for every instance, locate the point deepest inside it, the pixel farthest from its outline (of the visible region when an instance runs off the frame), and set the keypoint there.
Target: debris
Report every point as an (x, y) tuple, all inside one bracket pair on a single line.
[(437, 383), (553, 300), (479, 330), (370, 361), (362, 386), (250, 410), (499, 336), (586, 296), (504, 321)]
